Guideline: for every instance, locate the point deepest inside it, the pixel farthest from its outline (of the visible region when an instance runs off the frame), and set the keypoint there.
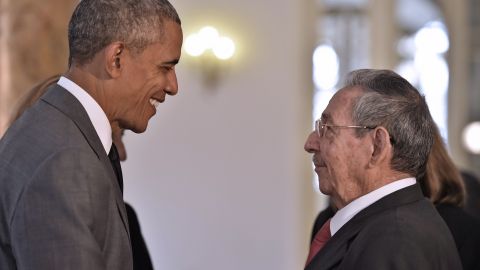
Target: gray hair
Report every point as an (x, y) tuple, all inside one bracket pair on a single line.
[(392, 102), (97, 23)]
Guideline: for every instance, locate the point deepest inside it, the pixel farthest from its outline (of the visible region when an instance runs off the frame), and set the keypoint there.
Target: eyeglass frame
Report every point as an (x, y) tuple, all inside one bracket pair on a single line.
[(321, 127)]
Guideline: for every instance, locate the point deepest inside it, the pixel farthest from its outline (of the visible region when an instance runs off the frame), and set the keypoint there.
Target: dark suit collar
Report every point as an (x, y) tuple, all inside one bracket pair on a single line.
[(337, 246), (66, 103), (403, 196)]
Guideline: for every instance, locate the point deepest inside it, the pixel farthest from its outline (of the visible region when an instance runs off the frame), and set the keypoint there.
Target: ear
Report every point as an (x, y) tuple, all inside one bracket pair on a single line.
[(381, 146), (114, 58)]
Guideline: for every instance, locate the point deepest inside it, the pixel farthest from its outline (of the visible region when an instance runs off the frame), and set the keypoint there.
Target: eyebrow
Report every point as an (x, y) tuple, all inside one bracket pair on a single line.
[(326, 118)]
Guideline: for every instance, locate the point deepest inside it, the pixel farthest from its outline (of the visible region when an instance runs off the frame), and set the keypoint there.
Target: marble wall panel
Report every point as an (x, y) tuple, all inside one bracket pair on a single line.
[(34, 47)]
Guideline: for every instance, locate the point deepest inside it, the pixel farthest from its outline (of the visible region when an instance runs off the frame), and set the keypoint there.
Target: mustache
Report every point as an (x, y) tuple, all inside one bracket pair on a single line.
[(317, 161)]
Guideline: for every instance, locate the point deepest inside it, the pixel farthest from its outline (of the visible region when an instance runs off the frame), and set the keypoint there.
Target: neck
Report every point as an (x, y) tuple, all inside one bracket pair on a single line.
[(91, 82), (372, 181), (378, 179)]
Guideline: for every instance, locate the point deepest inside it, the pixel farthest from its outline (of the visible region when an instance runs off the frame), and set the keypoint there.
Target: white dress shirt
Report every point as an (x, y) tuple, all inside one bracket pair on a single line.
[(350, 210), (95, 113)]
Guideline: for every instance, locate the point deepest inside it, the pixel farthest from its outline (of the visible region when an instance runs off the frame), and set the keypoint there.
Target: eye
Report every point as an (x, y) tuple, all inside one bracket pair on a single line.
[(328, 132), (325, 130), (166, 69)]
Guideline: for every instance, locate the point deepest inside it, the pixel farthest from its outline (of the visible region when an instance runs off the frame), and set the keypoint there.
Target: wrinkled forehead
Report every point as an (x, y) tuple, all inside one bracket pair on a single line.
[(339, 109)]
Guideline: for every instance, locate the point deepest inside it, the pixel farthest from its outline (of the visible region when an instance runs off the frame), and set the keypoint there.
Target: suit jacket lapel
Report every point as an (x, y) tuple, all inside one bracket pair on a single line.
[(333, 252), (65, 102)]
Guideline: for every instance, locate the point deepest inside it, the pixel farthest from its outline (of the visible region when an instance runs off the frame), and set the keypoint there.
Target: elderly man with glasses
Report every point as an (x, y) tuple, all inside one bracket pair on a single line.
[(371, 143)]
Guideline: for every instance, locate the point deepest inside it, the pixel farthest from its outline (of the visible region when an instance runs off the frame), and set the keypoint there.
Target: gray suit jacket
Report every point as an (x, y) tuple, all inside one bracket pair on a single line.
[(401, 231), (60, 204)]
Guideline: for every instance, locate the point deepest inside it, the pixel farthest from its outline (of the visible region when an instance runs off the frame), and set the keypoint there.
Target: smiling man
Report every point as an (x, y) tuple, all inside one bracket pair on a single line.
[(371, 143), (61, 202)]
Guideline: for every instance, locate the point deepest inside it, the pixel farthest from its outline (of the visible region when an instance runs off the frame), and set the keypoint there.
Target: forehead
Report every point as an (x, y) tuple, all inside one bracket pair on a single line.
[(170, 47), (173, 33), (339, 109)]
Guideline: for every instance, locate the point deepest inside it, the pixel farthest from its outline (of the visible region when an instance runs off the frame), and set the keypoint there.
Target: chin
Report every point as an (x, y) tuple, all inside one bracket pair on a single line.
[(139, 129), (324, 187), (135, 127), (325, 191)]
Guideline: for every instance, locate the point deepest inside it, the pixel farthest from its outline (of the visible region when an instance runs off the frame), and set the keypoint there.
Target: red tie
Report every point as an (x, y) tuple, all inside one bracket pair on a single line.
[(321, 238)]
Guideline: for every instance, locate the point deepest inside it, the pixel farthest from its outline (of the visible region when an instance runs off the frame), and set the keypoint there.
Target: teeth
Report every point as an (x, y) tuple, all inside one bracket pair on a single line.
[(154, 102)]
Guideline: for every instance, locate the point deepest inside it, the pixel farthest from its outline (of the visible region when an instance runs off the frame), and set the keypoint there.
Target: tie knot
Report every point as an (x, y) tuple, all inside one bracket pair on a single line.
[(323, 234), (321, 238)]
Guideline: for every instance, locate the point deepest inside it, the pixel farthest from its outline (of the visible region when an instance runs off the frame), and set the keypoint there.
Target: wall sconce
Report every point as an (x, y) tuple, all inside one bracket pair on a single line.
[(212, 50), (471, 137)]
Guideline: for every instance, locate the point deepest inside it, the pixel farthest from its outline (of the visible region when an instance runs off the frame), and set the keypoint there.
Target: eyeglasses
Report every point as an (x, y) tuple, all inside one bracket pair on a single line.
[(321, 129)]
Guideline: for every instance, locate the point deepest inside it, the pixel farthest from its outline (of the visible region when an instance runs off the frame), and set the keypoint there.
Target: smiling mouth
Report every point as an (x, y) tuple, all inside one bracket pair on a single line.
[(154, 102)]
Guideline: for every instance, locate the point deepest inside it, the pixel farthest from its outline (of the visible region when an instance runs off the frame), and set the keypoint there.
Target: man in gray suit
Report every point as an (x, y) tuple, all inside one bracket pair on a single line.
[(371, 143), (61, 204)]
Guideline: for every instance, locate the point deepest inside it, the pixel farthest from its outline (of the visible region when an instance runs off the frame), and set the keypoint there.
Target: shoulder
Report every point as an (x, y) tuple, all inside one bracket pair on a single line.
[(405, 223), (407, 237), (415, 221)]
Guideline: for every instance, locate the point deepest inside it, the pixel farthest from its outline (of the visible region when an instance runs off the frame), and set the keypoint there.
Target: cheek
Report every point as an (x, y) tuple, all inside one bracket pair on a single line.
[(338, 159), (333, 154)]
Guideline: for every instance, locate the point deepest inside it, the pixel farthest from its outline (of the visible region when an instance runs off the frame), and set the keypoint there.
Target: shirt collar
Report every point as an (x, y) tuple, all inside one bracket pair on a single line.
[(95, 113), (350, 210)]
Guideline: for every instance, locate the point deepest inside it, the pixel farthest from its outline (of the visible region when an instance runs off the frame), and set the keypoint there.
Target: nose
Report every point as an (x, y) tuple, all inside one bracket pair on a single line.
[(312, 143), (172, 86)]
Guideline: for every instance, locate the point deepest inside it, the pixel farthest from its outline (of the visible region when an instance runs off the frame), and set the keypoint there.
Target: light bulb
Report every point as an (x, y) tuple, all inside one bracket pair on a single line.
[(208, 36), (471, 137), (194, 45), (224, 48)]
